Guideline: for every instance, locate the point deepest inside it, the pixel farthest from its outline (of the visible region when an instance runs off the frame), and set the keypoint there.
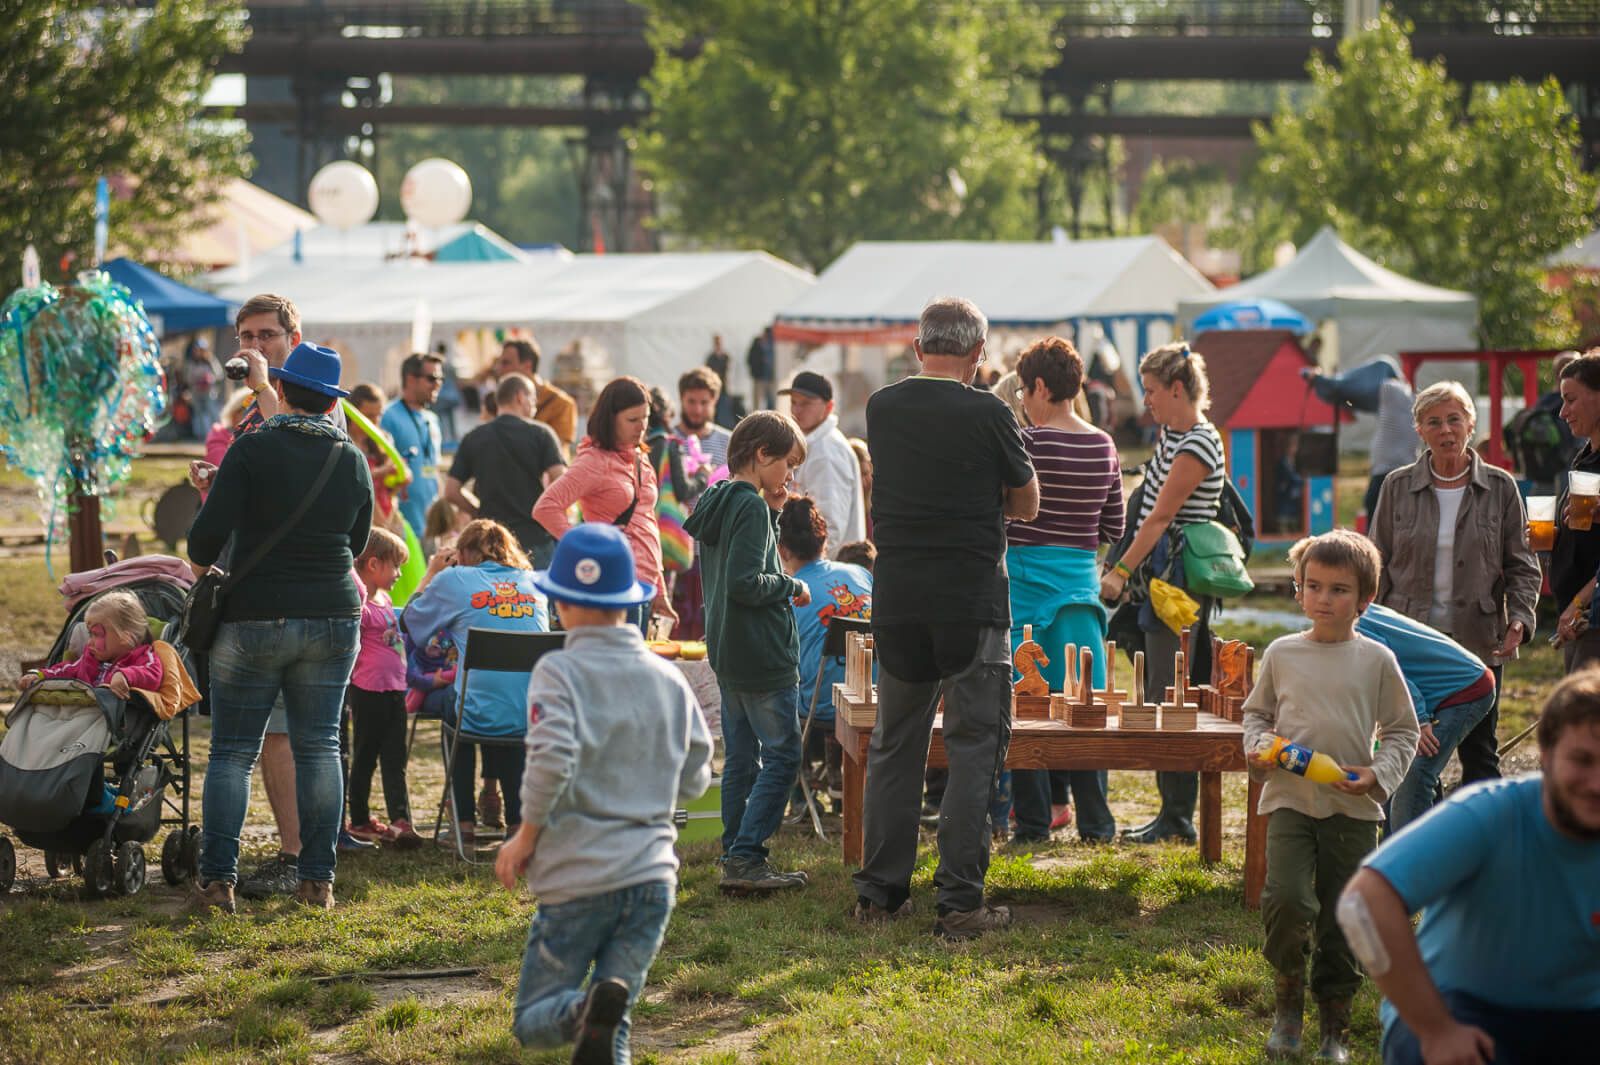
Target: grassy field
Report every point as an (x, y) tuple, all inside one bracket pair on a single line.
[(1120, 953)]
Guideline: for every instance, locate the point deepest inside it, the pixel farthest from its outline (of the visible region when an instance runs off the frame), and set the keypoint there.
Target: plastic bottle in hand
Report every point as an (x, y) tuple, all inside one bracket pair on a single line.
[(1302, 761)]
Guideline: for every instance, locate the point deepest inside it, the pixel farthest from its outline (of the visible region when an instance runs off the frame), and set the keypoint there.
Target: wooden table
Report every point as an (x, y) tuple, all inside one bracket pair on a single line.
[(1214, 748)]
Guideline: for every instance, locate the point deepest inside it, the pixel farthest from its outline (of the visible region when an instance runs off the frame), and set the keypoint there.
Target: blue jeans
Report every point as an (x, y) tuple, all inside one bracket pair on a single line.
[(1414, 796), (1520, 1035), (310, 660), (761, 744), (1033, 790), (618, 933)]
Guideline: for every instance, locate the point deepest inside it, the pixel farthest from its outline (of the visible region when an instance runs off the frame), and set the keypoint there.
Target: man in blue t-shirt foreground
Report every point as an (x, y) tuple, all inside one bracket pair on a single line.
[(1505, 966)]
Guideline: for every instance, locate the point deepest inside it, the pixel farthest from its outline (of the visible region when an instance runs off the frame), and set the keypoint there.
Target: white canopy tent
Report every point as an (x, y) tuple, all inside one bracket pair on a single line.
[(649, 315), (1375, 311), (1584, 254), (1126, 288)]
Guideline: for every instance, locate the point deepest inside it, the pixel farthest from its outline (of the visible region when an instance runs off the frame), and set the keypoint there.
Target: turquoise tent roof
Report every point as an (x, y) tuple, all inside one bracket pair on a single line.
[(479, 245)]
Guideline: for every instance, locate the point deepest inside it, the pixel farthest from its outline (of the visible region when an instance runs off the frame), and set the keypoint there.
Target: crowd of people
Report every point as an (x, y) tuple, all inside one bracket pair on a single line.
[(966, 518)]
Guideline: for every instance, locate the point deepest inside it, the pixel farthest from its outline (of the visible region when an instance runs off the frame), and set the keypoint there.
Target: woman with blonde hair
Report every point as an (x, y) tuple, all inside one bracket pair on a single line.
[(1183, 485), (483, 582)]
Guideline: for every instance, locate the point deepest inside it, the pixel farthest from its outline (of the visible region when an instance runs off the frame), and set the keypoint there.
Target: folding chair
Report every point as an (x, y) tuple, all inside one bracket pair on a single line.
[(832, 647), (494, 651)]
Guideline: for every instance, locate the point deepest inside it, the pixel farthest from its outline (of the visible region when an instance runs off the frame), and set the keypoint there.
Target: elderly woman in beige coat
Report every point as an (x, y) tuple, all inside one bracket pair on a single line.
[(1454, 539)]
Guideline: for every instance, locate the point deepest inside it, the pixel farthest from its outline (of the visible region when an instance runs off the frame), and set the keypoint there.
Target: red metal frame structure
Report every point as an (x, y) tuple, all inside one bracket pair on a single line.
[(1498, 361)]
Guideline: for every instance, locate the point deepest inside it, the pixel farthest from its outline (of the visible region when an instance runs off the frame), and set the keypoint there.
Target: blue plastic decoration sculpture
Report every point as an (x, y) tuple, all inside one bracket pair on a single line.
[(81, 387)]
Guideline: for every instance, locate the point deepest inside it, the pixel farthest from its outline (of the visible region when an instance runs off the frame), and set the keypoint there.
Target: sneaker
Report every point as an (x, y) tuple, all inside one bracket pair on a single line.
[(758, 877), (603, 1008), (318, 894), (970, 924), (403, 835), (490, 813), (277, 876), (370, 831), (468, 833), (217, 895), (349, 842), (867, 912)]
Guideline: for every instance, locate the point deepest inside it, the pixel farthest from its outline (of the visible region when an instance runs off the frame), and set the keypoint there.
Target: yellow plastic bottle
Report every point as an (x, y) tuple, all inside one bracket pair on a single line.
[(1302, 761)]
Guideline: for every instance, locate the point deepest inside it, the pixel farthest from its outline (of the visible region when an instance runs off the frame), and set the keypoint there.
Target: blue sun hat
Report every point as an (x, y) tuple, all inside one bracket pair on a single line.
[(593, 566), (311, 366)]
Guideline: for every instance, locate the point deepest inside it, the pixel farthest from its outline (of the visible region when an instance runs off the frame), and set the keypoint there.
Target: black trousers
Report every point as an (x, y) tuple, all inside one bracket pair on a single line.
[(1480, 749), (380, 737)]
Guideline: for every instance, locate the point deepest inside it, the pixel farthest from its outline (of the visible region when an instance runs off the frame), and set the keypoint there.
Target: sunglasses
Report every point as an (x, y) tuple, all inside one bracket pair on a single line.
[(436, 378)]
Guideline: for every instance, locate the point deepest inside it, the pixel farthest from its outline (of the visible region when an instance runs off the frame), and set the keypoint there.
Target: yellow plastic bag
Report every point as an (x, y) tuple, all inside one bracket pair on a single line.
[(1173, 605)]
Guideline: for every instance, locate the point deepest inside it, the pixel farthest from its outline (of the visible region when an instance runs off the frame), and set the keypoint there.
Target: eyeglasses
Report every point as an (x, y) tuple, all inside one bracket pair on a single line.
[(266, 336)]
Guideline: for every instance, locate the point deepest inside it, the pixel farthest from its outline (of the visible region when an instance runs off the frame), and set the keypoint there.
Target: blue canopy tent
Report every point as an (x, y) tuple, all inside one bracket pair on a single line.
[(171, 307), (1254, 314)]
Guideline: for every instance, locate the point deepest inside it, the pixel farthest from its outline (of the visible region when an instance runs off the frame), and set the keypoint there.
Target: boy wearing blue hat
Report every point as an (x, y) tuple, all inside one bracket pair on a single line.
[(616, 743)]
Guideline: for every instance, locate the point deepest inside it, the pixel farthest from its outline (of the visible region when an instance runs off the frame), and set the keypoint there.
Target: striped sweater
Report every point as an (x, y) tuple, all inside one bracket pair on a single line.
[(1080, 490)]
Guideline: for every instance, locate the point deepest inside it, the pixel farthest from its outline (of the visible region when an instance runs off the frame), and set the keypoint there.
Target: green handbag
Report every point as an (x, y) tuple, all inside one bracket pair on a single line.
[(1213, 561)]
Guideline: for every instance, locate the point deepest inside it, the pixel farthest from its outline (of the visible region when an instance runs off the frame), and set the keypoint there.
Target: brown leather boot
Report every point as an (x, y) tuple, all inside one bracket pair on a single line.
[(1334, 1016), (217, 895), (1289, 1018), (318, 894)]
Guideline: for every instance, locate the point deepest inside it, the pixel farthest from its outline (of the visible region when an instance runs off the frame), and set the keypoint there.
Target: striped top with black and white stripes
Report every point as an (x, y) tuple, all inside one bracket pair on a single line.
[(1205, 444)]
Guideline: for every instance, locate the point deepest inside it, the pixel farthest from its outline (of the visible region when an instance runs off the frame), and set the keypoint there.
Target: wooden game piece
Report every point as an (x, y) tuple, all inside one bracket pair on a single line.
[(1027, 659), (857, 697), (1111, 695), (1137, 714), (1083, 711), (1178, 714)]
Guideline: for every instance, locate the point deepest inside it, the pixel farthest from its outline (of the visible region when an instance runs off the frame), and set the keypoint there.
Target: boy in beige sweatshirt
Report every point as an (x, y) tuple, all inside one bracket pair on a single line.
[(1331, 690)]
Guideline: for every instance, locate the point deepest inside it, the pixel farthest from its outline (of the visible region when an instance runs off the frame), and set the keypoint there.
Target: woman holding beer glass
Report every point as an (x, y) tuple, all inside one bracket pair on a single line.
[(1455, 554), (1576, 553)]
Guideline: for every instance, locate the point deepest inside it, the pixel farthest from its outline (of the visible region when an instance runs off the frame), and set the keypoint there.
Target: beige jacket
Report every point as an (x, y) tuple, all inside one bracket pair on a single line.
[(1497, 577)]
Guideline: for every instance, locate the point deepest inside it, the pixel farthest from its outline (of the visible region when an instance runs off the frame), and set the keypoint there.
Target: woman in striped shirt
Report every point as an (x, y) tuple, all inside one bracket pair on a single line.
[(1054, 571), (1183, 485)]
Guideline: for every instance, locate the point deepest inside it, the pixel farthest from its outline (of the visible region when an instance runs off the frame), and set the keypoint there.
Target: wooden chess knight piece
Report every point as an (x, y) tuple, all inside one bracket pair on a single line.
[(1137, 714), (1082, 710), (1027, 659), (1178, 714)]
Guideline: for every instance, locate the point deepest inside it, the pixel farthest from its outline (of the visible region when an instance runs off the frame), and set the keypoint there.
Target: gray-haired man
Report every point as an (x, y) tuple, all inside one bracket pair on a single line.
[(950, 468)]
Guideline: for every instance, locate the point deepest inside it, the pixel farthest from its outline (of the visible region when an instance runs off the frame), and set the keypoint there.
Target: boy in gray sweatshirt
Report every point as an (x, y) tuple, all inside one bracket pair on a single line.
[(616, 742)]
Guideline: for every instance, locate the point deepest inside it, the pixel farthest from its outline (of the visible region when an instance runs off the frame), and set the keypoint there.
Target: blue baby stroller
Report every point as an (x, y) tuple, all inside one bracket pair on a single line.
[(89, 778)]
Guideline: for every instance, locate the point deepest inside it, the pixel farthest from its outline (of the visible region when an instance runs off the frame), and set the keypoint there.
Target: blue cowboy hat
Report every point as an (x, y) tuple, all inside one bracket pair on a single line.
[(311, 366), (593, 566)]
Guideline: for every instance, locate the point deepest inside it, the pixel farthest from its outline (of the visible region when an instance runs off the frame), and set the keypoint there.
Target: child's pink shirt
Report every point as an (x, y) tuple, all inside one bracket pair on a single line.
[(141, 666), (381, 662)]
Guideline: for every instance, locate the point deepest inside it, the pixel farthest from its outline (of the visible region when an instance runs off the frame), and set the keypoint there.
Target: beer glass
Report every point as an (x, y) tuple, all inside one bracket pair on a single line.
[(1583, 492), (1541, 522)]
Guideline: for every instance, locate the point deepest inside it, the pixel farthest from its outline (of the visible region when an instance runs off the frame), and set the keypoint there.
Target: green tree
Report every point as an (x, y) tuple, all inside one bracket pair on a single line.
[(104, 90), (802, 128), (1468, 196)]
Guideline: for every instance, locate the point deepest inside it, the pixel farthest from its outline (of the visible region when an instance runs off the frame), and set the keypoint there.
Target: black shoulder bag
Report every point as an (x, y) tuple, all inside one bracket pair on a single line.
[(621, 520), (202, 610)]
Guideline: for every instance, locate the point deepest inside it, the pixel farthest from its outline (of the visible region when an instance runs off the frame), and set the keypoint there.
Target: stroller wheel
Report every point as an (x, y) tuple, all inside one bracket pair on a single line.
[(8, 865), (129, 868), (177, 866), (98, 874)]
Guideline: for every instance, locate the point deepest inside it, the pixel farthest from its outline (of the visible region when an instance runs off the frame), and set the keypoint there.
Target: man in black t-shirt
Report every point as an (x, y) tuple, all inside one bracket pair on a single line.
[(949, 467), (511, 459)]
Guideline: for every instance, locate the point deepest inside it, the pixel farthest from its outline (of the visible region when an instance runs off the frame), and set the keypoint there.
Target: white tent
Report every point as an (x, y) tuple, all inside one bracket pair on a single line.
[(1584, 253), (648, 315), (1129, 286), (1376, 311)]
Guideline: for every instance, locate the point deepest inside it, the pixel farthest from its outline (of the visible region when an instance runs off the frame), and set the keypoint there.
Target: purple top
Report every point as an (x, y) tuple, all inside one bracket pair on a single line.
[(1080, 490)]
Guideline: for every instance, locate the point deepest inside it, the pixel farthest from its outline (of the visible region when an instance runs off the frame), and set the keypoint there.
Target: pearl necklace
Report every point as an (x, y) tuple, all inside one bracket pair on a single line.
[(1441, 477)]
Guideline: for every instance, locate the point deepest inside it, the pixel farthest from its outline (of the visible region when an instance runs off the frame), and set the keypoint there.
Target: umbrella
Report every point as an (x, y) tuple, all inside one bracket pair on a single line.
[(1254, 314)]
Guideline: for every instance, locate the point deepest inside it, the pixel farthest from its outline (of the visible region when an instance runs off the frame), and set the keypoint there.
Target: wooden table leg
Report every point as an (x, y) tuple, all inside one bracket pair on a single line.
[(1211, 817), (855, 781), (1255, 849)]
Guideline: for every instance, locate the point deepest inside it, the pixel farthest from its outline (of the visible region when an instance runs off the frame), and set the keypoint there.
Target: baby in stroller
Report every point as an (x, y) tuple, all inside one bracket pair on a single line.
[(119, 653), (89, 758)]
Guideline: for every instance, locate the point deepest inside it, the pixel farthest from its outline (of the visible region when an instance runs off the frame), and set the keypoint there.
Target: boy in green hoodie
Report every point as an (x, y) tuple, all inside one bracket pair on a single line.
[(753, 644)]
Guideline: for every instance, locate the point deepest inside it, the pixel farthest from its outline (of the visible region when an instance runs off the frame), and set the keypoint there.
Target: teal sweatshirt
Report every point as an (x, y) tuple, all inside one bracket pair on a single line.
[(751, 636)]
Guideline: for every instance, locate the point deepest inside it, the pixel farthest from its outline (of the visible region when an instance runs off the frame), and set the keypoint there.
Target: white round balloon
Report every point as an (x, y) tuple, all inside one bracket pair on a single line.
[(343, 194), (436, 192)]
